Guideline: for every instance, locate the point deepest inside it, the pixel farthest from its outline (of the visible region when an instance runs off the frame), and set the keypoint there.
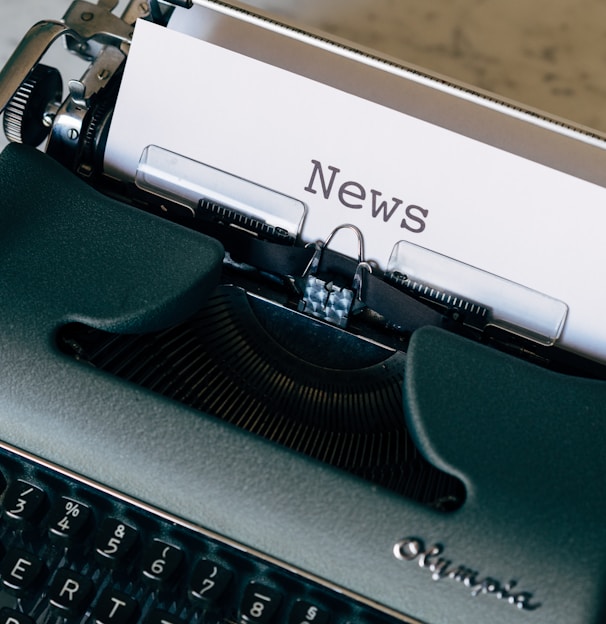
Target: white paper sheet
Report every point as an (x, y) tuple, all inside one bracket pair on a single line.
[(351, 160)]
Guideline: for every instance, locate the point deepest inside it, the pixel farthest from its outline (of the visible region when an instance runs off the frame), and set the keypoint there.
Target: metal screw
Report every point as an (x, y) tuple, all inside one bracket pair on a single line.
[(73, 134), (87, 17), (104, 74)]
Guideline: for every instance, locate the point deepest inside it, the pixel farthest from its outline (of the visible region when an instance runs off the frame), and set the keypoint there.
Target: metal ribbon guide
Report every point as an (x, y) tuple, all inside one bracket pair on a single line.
[(291, 333)]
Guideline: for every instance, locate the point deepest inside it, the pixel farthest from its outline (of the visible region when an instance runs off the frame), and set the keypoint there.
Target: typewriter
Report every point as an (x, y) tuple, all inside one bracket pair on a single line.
[(218, 406)]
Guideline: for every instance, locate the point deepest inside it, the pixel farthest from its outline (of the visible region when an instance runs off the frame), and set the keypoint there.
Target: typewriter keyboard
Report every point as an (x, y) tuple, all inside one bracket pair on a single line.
[(74, 552)]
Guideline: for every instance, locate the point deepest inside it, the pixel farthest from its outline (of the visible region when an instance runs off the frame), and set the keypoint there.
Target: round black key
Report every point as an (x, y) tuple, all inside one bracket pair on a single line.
[(115, 607), (161, 562), (68, 518), (305, 612), (12, 616), (20, 570), (208, 581), (259, 604), (115, 541), (24, 502), (70, 592)]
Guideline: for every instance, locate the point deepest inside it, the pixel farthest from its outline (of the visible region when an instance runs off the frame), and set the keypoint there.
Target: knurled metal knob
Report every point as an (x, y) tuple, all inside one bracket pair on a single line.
[(24, 116)]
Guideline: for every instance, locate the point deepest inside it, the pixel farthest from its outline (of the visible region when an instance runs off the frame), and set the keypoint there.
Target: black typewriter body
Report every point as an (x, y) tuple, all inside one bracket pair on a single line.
[(180, 443)]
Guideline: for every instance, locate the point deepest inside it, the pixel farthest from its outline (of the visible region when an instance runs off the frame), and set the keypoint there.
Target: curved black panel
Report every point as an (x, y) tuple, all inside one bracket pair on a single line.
[(529, 445), (68, 253)]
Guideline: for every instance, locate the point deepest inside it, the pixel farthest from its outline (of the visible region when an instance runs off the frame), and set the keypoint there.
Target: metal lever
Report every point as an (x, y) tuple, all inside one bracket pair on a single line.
[(83, 21), (27, 54)]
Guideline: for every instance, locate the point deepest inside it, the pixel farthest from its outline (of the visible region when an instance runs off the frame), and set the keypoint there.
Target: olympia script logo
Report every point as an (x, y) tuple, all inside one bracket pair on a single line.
[(413, 549)]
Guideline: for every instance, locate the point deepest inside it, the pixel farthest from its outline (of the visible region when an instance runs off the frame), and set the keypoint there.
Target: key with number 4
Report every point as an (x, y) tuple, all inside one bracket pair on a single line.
[(68, 518)]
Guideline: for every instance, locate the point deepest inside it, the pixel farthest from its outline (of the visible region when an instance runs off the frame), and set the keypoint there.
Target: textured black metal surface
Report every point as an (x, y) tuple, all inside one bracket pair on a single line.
[(285, 377), (64, 236)]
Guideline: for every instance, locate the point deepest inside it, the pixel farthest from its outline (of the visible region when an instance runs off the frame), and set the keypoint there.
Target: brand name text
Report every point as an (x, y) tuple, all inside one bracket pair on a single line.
[(413, 549)]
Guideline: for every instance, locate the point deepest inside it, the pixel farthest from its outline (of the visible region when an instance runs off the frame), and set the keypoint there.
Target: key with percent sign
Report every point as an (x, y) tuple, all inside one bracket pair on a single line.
[(68, 518)]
